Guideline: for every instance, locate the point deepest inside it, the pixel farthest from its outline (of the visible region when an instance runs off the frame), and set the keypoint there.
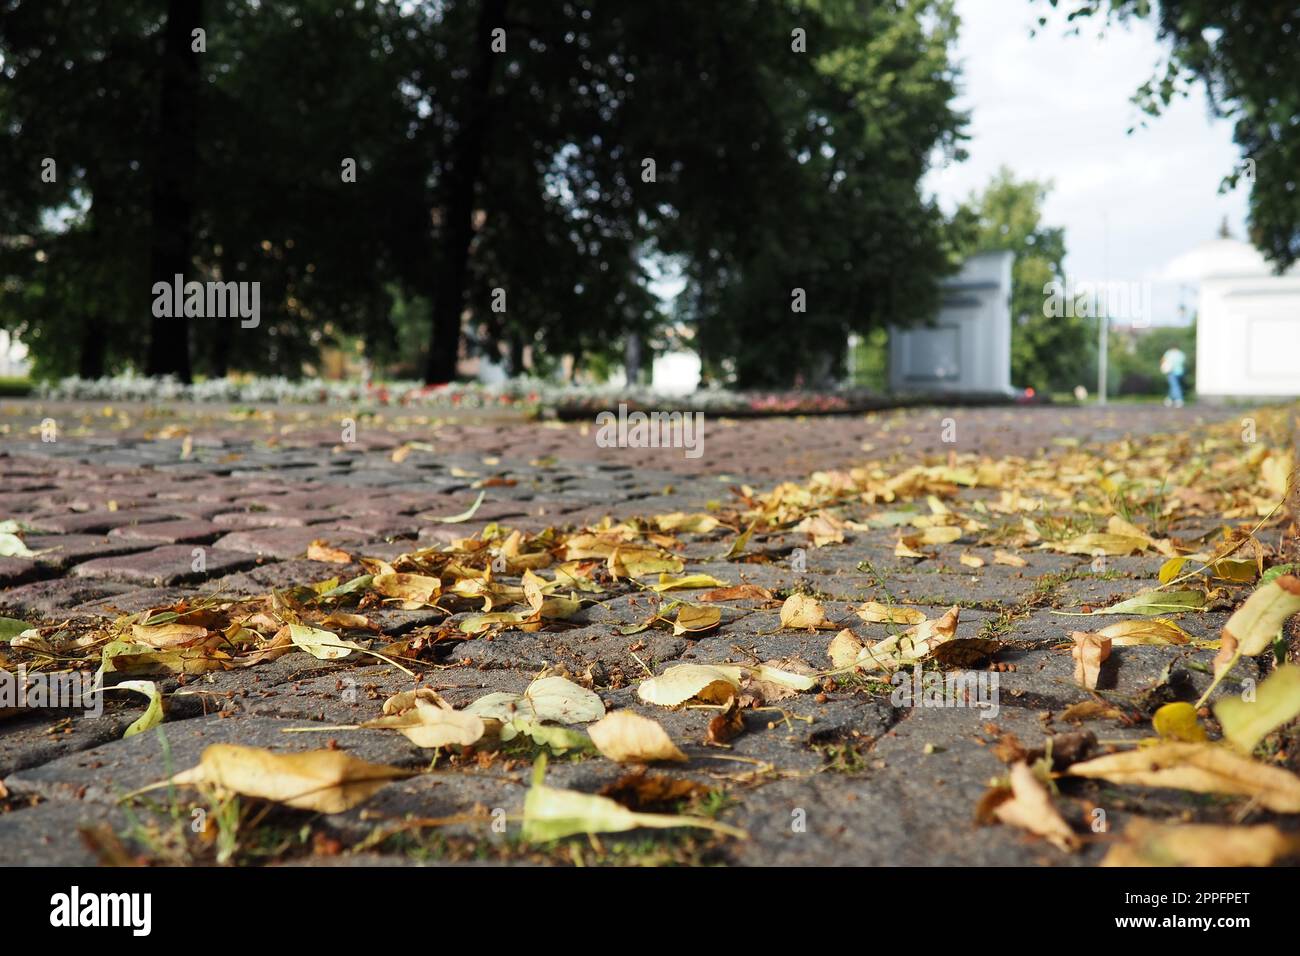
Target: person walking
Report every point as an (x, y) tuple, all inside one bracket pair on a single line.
[(1174, 365)]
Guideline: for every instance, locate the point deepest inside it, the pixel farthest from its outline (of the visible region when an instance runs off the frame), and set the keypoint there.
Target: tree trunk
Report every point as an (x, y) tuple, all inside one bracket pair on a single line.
[(460, 177), (91, 358), (516, 354), (172, 200), (223, 332)]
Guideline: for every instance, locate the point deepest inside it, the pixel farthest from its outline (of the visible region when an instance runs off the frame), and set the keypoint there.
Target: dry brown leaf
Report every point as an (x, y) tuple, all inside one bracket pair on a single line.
[(844, 649), (695, 619), (644, 791), (822, 529), (908, 547), (626, 737), (1156, 630), (168, 635), (1227, 654), (1255, 624), (1146, 843), (741, 592), (1089, 651), (414, 590), (912, 645), (432, 723), (1091, 710), (728, 725), (325, 781), (874, 612), (1101, 543), (777, 680), (1200, 768), (405, 700), (1030, 807), (800, 611), (320, 550), (682, 682)]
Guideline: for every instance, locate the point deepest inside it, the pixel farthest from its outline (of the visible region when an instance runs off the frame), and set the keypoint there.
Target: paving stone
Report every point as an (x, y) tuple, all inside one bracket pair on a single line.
[(488, 511), (57, 597), (185, 531), (104, 773), (377, 526), (93, 522), (874, 780), (20, 570), (245, 520), (286, 543), (47, 834), (17, 503), (64, 550), (195, 510), (172, 564), (575, 649), (41, 736), (132, 600), (279, 575)]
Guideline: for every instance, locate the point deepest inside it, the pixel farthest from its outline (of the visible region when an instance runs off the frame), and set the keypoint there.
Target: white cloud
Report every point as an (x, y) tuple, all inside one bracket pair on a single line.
[(1057, 107)]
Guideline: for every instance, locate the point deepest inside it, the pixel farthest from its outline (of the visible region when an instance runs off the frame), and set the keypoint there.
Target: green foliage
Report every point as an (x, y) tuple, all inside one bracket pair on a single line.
[(520, 171), (819, 192), (1134, 360)]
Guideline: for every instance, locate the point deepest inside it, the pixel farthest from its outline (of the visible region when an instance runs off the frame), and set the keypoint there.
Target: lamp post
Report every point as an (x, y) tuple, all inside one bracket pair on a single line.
[(1103, 320), (1103, 344)]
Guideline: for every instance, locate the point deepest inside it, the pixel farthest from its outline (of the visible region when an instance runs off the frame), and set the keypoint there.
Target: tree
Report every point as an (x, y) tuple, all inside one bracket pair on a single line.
[(1246, 54), (817, 205), (74, 205), (174, 181), (519, 165), (258, 197), (1047, 352)]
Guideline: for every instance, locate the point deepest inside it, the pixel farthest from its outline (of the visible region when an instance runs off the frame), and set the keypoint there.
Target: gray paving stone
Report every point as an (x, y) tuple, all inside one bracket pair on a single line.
[(57, 597), (105, 773), (47, 834)]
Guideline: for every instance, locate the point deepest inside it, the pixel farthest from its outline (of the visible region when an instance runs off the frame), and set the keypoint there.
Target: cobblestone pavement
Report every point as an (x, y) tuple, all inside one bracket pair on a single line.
[(126, 497)]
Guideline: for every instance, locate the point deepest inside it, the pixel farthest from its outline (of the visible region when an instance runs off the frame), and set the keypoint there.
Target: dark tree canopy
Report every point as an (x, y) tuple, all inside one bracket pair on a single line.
[(522, 166)]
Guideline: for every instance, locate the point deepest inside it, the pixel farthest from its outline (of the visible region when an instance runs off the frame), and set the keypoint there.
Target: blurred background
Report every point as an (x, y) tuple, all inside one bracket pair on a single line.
[(743, 194)]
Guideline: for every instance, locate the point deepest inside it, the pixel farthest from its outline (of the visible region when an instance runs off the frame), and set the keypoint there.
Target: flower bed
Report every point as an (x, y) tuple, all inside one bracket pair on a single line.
[(523, 394)]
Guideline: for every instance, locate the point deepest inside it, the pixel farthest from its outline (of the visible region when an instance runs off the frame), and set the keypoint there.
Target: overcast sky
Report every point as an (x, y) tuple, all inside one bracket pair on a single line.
[(1057, 107)]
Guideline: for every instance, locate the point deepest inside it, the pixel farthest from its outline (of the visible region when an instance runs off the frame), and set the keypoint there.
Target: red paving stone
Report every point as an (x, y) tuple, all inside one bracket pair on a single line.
[(172, 564), (185, 531), (283, 543)]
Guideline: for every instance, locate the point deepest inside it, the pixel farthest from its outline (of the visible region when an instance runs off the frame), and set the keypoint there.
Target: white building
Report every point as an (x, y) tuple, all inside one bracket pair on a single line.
[(967, 349), (13, 357), (1247, 322)]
